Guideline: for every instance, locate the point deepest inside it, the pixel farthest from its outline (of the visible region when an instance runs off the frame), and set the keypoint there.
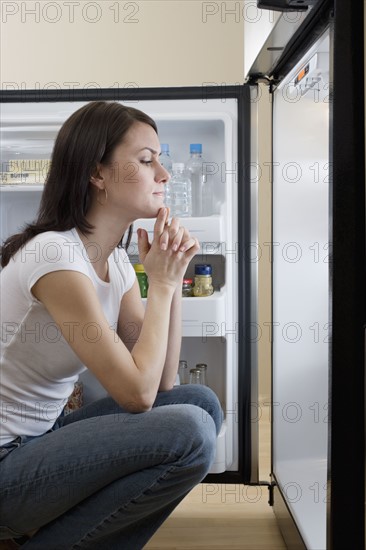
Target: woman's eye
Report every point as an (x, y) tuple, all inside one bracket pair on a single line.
[(146, 161)]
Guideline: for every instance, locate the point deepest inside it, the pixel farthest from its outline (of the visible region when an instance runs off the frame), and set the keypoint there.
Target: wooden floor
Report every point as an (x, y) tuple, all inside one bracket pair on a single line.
[(222, 517)]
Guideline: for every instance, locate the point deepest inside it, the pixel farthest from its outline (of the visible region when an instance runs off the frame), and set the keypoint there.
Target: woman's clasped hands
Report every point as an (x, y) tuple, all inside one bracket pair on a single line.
[(167, 257)]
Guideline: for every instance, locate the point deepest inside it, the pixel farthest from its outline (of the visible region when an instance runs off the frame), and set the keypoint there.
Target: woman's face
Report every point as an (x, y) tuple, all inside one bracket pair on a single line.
[(135, 179)]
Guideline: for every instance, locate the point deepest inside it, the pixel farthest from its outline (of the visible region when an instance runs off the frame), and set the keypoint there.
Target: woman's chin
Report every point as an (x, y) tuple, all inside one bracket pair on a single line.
[(153, 213)]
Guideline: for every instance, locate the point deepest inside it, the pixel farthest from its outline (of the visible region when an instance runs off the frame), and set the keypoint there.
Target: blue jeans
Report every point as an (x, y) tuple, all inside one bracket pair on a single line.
[(105, 478)]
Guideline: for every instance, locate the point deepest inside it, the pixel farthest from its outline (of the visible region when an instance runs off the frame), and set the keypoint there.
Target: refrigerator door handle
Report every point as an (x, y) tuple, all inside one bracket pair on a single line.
[(285, 5)]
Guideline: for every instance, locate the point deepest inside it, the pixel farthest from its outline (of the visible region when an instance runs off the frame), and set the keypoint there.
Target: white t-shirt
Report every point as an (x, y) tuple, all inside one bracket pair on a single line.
[(38, 368)]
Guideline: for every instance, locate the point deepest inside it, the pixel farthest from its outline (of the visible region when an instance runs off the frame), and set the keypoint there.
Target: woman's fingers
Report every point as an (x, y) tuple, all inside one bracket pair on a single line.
[(164, 239), (161, 222), (173, 236), (178, 239), (191, 246)]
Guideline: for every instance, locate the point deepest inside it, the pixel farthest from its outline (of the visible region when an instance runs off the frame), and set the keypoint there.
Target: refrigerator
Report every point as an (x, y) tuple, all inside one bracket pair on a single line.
[(316, 84), (313, 69)]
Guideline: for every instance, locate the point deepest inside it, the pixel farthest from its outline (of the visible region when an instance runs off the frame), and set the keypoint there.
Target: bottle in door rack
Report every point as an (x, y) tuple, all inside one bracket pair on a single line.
[(165, 159), (183, 372), (202, 200), (198, 374), (178, 195)]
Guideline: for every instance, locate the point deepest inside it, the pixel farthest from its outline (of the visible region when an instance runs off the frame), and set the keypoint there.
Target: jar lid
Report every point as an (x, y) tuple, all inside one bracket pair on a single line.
[(187, 281), (139, 268), (203, 269)]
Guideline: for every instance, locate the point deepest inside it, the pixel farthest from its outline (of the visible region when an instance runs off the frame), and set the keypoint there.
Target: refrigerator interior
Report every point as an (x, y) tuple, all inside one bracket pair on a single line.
[(210, 324), (301, 252)]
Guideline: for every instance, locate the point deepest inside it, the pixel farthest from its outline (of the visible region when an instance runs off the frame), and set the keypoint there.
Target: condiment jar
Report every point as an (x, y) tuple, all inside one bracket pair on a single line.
[(142, 279), (203, 280), (187, 288)]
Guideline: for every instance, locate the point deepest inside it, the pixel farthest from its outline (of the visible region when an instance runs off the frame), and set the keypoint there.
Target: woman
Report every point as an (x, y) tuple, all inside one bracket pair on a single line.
[(108, 475)]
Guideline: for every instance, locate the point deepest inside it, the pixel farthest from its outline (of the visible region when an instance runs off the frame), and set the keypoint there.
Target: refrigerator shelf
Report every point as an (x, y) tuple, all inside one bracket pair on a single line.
[(9, 188)]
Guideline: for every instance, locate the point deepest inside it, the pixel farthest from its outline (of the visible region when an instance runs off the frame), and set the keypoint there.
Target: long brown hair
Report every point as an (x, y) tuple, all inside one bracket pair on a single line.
[(88, 137)]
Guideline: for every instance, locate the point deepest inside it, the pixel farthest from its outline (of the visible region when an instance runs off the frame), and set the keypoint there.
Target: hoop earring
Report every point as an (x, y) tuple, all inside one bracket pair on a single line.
[(106, 196)]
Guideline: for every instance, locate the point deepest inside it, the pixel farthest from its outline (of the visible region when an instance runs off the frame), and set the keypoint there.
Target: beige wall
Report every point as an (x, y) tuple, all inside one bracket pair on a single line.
[(114, 42)]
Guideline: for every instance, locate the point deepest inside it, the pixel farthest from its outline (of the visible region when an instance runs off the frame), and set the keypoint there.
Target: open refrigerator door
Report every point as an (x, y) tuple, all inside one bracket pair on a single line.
[(318, 271)]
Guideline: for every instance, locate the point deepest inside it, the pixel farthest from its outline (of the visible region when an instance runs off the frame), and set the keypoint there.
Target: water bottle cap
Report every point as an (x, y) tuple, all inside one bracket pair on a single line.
[(178, 166), (195, 148), (202, 269), (139, 268), (164, 147)]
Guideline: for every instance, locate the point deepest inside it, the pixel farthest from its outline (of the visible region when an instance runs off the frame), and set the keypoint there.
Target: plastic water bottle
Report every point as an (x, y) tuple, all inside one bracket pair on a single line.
[(202, 200), (165, 158), (178, 194)]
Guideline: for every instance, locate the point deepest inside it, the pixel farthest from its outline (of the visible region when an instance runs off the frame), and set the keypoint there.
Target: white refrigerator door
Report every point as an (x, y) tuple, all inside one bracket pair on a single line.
[(301, 329)]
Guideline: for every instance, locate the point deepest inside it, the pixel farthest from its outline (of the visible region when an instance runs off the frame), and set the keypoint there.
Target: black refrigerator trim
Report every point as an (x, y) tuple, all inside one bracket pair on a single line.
[(133, 94), (346, 503), (242, 95)]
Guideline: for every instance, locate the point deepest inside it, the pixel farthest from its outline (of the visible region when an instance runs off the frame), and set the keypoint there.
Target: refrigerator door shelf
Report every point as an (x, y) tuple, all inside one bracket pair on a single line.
[(208, 230), (204, 317), (219, 466)]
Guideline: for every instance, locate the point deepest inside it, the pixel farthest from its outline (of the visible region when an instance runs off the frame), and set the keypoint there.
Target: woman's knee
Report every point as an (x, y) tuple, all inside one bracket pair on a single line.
[(202, 397), (196, 431)]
